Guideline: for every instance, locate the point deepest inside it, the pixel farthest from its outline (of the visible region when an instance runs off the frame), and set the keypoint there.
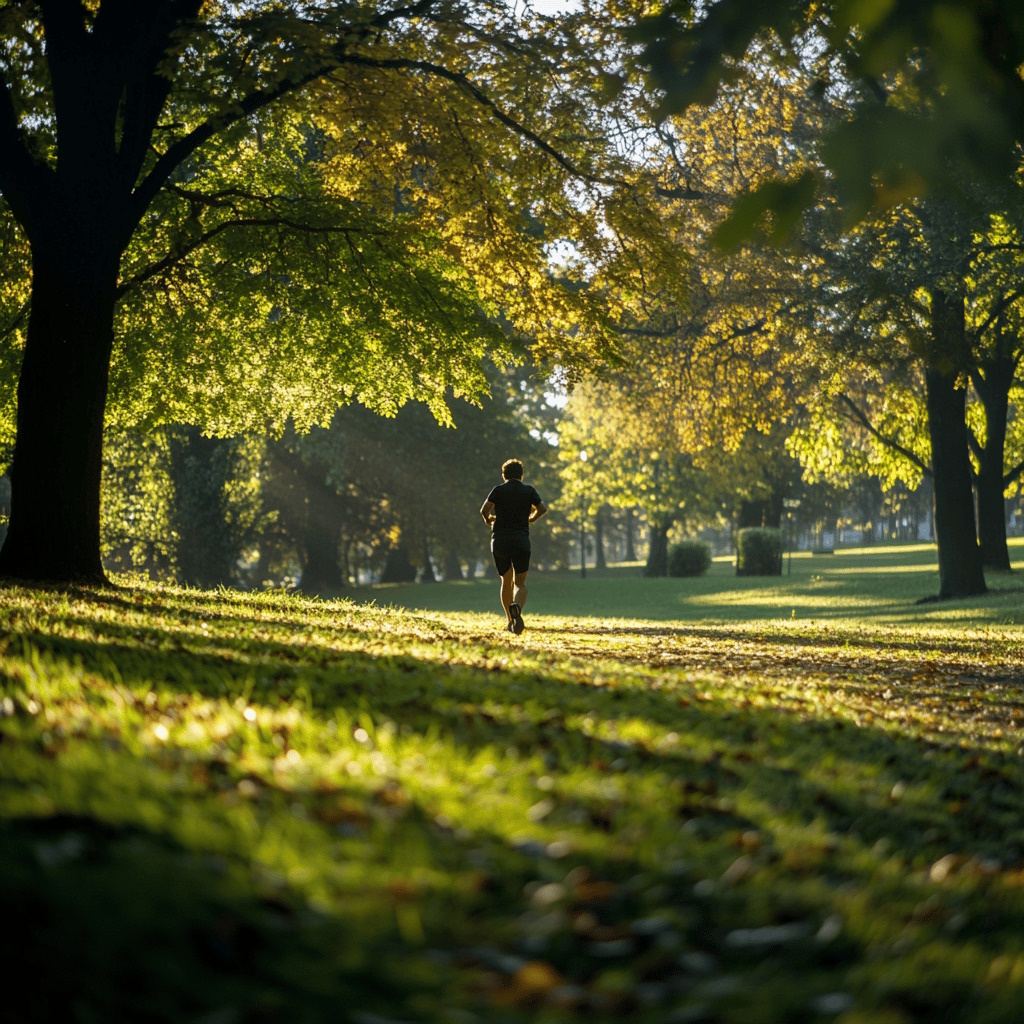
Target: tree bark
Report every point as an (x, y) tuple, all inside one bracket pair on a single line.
[(992, 382), (600, 562), (321, 572), (397, 566), (753, 514), (657, 555), (630, 536), (427, 574), (200, 468), (960, 568), (452, 570), (321, 568), (54, 530)]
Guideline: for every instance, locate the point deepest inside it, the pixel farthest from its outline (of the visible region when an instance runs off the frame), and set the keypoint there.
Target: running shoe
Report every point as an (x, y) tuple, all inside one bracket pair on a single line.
[(516, 625)]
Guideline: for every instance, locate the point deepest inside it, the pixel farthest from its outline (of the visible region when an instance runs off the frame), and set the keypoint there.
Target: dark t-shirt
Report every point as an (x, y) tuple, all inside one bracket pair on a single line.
[(512, 503)]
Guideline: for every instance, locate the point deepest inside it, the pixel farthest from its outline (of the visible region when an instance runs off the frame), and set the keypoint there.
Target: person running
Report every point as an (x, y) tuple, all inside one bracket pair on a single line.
[(509, 510)]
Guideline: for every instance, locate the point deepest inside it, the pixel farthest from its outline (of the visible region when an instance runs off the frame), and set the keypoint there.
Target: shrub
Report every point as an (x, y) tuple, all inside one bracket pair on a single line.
[(759, 552), (689, 558)]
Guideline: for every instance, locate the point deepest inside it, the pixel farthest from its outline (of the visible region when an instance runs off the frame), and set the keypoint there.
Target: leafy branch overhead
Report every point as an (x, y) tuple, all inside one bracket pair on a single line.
[(940, 98), (369, 186)]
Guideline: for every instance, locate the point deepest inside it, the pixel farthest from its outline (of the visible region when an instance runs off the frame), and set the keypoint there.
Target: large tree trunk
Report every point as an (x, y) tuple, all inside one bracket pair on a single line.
[(397, 566), (452, 570), (321, 571), (427, 574), (992, 382), (54, 531), (200, 468), (657, 554), (960, 568), (992, 520), (753, 514), (630, 525), (321, 568), (600, 562)]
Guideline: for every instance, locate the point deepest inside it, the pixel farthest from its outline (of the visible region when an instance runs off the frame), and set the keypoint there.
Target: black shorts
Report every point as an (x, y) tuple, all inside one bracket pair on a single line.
[(511, 551)]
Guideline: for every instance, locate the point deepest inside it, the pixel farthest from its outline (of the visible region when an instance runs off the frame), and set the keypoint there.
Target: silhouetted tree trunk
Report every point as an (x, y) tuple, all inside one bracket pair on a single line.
[(600, 562), (657, 554), (960, 568), (78, 214), (452, 568), (992, 381), (630, 527), (54, 529), (397, 566), (206, 554), (427, 574), (321, 565), (752, 514)]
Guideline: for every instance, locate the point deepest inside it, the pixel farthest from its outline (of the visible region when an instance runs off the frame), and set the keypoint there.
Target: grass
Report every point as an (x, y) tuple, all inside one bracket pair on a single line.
[(878, 584), (752, 801)]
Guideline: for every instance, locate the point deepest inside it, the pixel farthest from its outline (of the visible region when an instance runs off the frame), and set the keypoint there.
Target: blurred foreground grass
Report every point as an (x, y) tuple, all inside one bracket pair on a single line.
[(221, 808)]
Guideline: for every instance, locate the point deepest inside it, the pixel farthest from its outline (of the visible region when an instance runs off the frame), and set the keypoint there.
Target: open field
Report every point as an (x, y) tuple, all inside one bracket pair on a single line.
[(753, 801), (862, 585)]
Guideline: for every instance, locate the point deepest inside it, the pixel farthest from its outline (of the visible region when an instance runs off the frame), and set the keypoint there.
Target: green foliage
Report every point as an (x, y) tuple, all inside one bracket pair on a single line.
[(689, 558), (759, 552), (371, 209), (139, 504), (14, 308), (939, 105)]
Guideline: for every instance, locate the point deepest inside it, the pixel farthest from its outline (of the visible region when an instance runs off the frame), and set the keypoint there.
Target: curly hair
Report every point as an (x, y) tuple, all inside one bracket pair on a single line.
[(512, 469)]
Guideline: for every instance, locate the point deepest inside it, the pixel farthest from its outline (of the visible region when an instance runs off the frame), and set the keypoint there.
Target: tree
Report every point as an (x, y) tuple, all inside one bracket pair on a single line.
[(932, 284), (131, 141), (693, 420), (940, 94), (636, 458), (938, 100)]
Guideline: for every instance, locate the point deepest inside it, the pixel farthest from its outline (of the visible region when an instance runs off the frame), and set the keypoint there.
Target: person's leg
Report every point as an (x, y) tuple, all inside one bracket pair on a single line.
[(519, 592), (506, 592)]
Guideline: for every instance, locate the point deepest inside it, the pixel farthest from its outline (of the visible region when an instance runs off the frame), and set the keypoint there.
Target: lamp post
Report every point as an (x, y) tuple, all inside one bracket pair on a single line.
[(583, 505), (790, 505)]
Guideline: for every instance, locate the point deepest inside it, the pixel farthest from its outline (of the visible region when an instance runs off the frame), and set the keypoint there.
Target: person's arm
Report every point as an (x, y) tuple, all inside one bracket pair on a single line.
[(487, 512), (538, 510)]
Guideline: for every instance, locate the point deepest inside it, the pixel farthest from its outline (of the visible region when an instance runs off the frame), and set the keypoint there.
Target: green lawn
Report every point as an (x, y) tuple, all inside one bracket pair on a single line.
[(876, 583), (719, 800)]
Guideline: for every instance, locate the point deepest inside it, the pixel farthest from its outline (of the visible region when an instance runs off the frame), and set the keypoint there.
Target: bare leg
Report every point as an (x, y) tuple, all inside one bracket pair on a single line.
[(520, 592), (506, 593)]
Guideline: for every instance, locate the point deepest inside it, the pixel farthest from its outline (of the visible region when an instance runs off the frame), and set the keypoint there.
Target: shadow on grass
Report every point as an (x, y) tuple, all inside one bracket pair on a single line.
[(162, 933)]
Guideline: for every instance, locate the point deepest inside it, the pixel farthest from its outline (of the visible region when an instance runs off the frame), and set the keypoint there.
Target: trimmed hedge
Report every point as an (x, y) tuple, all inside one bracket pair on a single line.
[(689, 558), (759, 552)]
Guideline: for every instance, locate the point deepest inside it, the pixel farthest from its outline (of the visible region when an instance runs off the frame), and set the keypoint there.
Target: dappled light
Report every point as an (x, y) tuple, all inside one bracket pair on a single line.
[(512, 512), (626, 819)]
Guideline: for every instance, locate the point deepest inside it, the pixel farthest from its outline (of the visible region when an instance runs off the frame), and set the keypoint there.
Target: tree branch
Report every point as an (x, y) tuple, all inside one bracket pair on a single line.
[(1000, 308), (19, 318), (22, 178), (186, 146), (456, 77), (975, 445), (146, 91), (889, 442), (181, 150), (168, 262), (1008, 478)]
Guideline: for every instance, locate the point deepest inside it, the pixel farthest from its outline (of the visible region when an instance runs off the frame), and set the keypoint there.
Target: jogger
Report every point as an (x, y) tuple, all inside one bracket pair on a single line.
[(508, 510)]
